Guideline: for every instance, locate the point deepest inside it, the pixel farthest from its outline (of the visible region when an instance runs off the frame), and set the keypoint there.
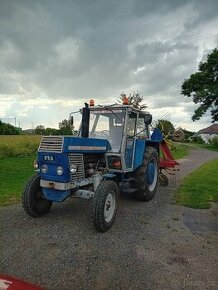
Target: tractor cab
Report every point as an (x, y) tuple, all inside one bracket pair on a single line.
[(124, 127)]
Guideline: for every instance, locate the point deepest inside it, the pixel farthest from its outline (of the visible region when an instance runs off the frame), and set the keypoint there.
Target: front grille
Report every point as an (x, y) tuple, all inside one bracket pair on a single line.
[(51, 144), (77, 159)]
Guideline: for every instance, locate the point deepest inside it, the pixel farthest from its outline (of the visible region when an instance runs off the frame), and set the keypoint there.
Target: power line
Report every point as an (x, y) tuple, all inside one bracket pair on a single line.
[(11, 118)]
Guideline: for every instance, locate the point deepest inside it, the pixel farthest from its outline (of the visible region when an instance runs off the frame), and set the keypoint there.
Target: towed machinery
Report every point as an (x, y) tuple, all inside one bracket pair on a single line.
[(113, 152)]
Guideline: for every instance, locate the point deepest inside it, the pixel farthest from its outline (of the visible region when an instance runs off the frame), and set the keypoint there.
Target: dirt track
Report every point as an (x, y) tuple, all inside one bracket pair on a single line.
[(152, 245)]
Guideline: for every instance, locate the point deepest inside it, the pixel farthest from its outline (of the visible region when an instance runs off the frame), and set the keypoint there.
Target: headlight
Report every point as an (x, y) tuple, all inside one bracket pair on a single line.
[(44, 168), (35, 164), (60, 170), (73, 168)]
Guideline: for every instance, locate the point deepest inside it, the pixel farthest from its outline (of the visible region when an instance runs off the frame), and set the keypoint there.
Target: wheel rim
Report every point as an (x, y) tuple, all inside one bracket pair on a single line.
[(152, 173), (109, 207)]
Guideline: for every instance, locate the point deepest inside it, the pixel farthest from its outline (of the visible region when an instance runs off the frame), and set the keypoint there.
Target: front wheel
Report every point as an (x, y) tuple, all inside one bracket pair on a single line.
[(105, 205), (146, 176), (33, 200)]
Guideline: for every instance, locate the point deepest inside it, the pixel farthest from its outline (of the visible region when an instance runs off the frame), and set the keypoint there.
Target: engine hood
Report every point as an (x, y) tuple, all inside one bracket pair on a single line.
[(85, 145), (67, 144)]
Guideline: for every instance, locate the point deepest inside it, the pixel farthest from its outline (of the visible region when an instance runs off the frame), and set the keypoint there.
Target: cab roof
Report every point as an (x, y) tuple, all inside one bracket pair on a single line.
[(117, 107)]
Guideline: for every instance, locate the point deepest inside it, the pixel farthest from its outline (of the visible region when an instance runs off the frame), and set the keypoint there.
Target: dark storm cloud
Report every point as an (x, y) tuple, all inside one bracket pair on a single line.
[(205, 11), (83, 48)]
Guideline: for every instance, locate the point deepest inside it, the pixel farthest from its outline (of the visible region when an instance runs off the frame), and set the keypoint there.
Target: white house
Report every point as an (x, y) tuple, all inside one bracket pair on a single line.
[(209, 132)]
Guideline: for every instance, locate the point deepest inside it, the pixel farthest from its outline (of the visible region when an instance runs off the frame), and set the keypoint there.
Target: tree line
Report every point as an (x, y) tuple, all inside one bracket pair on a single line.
[(64, 129)]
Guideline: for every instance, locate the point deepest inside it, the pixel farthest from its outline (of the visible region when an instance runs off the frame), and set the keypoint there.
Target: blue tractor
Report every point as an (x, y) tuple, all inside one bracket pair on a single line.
[(113, 152)]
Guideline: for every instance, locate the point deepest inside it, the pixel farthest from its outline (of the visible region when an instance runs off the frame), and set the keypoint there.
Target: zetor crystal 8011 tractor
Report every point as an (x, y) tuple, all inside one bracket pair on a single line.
[(113, 152)]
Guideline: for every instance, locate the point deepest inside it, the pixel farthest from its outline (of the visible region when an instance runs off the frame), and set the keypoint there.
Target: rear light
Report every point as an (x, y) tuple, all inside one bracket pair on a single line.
[(117, 164), (114, 162)]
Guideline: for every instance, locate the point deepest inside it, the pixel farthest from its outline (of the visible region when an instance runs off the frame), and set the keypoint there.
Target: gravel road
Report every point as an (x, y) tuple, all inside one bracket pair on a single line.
[(151, 246)]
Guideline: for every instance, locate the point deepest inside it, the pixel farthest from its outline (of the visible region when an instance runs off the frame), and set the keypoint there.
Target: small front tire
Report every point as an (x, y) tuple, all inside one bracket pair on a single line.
[(33, 200), (105, 205)]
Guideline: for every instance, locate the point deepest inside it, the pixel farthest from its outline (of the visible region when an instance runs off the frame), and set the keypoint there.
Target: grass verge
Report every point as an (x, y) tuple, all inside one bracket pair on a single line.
[(181, 150), (199, 188), (14, 172), (204, 146)]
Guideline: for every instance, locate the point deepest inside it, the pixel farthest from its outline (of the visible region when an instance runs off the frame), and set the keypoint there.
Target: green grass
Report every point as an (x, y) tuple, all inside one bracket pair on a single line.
[(18, 145), (204, 146), (199, 188), (14, 172), (181, 150)]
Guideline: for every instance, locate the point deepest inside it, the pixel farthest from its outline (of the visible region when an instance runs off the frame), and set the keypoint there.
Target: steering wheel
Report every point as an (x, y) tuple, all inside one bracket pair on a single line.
[(105, 133)]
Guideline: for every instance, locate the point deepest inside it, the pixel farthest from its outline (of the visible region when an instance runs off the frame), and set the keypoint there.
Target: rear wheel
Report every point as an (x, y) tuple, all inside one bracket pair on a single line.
[(105, 205), (33, 200), (146, 176)]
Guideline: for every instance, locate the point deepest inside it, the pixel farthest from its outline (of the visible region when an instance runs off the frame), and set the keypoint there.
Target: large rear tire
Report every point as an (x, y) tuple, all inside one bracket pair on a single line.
[(33, 200), (105, 205), (146, 176)]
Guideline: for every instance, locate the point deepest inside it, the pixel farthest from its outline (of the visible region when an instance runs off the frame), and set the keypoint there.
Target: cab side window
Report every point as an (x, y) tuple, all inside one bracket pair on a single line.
[(131, 125), (142, 128)]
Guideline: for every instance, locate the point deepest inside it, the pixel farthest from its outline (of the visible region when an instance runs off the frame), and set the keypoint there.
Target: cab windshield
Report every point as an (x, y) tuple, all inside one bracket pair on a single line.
[(108, 124)]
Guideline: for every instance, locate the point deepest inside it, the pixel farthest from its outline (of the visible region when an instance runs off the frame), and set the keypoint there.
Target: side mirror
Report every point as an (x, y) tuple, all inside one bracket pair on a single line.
[(148, 119), (71, 121)]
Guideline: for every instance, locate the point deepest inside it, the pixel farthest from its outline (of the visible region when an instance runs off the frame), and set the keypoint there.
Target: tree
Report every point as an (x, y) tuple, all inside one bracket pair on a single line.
[(40, 130), (65, 128), (188, 134), (202, 86), (165, 126), (51, 131), (8, 129), (133, 99)]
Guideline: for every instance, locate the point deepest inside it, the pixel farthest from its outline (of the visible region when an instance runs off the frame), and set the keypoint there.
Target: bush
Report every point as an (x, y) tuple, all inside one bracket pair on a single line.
[(197, 139), (214, 141), (8, 129)]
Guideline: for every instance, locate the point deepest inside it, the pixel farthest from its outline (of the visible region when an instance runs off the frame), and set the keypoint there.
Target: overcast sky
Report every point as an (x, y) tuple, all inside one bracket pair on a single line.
[(54, 55)]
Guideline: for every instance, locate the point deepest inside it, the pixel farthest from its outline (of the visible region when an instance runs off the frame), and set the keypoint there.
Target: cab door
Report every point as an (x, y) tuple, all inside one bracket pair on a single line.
[(130, 140)]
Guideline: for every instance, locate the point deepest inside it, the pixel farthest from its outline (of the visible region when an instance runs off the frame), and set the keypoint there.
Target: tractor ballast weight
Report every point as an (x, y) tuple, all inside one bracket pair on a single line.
[(113, 152)]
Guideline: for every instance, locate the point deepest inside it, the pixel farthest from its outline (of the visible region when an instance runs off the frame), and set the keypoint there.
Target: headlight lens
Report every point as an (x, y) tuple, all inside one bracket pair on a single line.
[(73, 168), (60, 170), (44, 168), (35, 164)]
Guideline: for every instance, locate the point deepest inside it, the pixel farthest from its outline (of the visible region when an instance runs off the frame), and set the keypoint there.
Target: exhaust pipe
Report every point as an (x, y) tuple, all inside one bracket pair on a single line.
[(85, 121)]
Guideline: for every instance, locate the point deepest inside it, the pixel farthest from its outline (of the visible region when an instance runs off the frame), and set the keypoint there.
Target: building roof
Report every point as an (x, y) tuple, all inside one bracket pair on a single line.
[(213, 129)]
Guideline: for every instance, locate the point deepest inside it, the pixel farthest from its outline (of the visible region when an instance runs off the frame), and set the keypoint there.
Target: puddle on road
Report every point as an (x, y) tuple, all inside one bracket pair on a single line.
[(202, 221)]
